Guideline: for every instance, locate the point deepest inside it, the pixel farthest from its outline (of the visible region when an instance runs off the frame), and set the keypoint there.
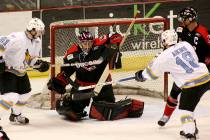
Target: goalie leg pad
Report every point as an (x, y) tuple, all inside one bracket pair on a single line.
[(136, 109), (103, 110), (70, 109)]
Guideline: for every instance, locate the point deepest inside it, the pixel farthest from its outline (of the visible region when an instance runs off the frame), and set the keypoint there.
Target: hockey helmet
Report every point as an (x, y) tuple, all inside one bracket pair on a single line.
[(36, 24), (169, 38), (86, 41), (85, 35), (187, 13)]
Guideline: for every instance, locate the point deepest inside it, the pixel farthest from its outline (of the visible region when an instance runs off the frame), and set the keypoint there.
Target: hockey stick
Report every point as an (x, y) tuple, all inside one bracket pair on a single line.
[(105, 73), (97, 89), (82, 96), (106, 83), (106, 70), (129, 29), (102, 79)]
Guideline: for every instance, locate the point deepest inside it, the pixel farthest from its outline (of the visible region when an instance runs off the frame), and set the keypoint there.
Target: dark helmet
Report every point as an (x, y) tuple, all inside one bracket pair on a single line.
[(188, 13), (85, 35)]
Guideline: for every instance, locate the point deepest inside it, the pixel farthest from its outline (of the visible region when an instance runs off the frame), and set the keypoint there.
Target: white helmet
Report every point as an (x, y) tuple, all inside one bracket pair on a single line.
[(37, 25), (169, 37)]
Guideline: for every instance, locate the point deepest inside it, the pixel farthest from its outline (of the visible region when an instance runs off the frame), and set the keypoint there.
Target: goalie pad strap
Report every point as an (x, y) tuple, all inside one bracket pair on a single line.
[(102, 110)]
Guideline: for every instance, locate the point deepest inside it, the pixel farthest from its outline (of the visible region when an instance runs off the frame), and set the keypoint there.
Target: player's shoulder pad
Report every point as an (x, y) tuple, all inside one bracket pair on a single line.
[(203, 31), (73, 49)]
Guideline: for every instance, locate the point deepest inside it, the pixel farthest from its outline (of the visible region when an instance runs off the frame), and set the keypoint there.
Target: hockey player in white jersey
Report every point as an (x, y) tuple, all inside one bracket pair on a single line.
[(181, 61), (20, 50)]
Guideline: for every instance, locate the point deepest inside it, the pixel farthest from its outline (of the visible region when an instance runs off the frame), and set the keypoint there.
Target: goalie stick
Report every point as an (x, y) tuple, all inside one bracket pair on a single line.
[(97, 89), (78, 96), (105, 73), (106, 83), (81, 96)]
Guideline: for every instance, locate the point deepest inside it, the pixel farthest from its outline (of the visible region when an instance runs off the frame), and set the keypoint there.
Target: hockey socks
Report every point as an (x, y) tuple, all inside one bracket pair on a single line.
[(170, 106)]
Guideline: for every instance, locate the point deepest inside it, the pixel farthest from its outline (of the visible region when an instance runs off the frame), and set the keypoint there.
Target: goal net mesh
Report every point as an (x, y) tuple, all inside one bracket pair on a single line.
[(139, 48)]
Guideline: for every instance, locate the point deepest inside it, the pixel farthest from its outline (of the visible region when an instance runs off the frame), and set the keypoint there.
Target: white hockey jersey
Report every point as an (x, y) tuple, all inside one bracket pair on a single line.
[(182, 63), (19, 51)]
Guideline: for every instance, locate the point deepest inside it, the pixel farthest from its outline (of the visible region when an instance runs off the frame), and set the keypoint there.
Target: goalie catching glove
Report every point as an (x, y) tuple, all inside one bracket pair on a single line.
[(114, 41), (58, 83), (41, 65), (113, 44)]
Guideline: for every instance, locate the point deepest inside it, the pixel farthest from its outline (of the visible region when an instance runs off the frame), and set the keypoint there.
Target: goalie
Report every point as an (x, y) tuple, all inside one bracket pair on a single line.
[(94, 55)]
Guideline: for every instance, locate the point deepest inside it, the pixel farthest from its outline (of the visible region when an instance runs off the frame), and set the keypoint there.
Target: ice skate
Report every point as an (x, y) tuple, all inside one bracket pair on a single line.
[(18, 119), (191, 136), (163, 120), (188, 136)]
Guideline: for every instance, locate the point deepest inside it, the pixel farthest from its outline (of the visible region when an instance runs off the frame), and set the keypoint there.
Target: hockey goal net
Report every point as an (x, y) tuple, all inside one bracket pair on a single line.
[(140, 46)]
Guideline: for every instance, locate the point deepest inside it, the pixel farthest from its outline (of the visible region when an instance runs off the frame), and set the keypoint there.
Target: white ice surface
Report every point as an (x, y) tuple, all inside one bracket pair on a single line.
[(48, 125)]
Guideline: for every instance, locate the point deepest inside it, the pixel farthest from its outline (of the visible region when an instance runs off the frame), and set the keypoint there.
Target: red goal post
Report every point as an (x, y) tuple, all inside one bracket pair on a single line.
[(141, 45)]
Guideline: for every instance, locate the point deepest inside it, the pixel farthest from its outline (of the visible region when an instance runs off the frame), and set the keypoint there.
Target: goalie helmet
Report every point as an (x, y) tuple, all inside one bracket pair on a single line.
[(85, 35), (86, 41), (36, 26), (169, 38), (187, 13)]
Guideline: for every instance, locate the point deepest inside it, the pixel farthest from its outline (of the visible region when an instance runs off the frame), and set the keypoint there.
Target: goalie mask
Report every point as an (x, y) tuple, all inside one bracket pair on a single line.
[(35, 28), (86, 41), (187, 13), (169, 38)]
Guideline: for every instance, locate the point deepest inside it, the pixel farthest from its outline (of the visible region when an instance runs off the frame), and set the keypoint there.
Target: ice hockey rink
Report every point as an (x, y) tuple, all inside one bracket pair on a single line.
[(48, 125)]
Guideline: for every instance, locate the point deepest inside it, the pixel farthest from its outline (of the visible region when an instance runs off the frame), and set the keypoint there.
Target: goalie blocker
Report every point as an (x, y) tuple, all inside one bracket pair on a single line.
[(128, 108)]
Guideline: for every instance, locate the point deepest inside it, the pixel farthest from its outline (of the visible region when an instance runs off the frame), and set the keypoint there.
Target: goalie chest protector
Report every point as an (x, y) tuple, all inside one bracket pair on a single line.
[(128, 108)]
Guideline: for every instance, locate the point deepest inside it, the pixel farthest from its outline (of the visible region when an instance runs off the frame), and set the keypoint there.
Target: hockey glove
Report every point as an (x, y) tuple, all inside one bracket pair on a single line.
[(41, 65), (58, 83), (114, 55), (179, 32), (139, 77), (115, 40), (2, 65)]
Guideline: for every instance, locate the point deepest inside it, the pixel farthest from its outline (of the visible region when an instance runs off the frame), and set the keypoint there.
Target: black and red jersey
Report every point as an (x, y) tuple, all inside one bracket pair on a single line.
[(87, 75), (198, 38)]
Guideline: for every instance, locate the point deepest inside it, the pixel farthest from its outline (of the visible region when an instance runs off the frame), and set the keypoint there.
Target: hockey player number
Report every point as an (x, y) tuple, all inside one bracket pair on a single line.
[(4, 41), (187, 62)]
